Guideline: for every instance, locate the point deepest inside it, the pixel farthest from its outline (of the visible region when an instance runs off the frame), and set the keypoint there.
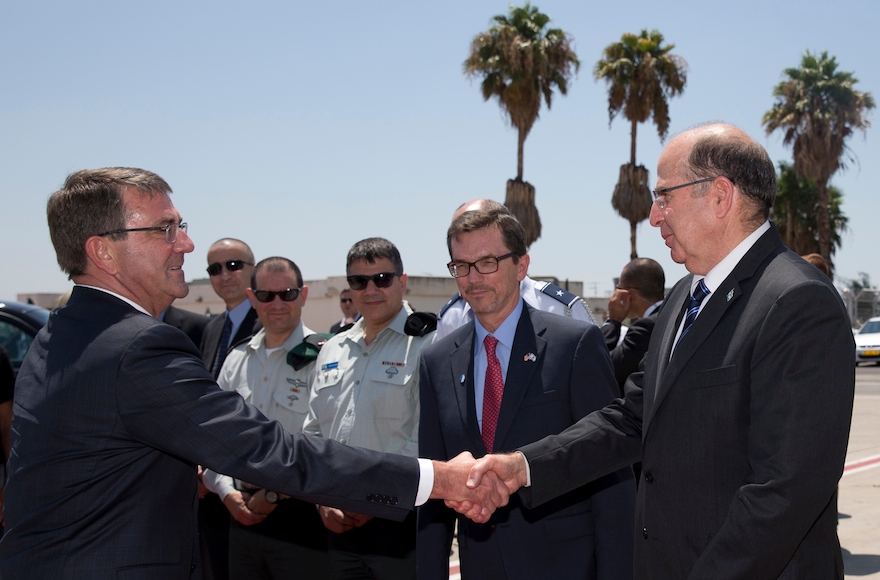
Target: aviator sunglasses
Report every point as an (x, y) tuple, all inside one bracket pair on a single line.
[(231, 266), (287, 295), (381, 280)]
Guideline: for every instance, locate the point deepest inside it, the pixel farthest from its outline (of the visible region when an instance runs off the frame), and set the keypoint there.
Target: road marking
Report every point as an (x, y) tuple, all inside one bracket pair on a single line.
[(861, 465)]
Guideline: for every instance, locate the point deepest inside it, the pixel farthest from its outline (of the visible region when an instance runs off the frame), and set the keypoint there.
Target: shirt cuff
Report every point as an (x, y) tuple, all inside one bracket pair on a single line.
[(426, 481), (528, 470)]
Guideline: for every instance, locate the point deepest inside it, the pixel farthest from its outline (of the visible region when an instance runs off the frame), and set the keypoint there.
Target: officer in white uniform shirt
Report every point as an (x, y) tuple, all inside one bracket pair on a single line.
[(537, 294)]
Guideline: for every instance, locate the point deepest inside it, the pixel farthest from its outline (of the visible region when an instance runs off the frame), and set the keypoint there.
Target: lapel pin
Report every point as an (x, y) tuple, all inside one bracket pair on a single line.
[(530, 357), (730, 295), (461, 379)]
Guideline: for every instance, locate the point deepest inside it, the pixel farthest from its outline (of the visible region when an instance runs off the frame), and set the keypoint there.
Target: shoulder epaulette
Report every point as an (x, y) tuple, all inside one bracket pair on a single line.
[(449, 304), (420, 323), (559, 294)]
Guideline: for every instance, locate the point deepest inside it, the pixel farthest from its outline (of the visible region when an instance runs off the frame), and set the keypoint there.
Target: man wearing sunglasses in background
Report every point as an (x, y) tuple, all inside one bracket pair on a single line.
[(230, 265), (350, 315), (272, 536), (366, 393)]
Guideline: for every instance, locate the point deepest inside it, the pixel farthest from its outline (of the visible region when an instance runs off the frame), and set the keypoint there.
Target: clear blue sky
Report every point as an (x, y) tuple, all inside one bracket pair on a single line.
[(302, 127)]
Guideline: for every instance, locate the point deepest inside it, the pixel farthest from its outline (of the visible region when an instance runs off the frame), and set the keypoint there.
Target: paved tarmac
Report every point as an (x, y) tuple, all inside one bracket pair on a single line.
[(859, 501)]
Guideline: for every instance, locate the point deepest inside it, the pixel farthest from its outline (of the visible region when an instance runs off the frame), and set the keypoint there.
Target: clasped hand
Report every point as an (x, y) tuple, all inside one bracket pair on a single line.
[(476, 488)]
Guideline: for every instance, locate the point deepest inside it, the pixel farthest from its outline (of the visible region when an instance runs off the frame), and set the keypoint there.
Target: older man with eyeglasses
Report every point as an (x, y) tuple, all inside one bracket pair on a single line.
[(366, 393)]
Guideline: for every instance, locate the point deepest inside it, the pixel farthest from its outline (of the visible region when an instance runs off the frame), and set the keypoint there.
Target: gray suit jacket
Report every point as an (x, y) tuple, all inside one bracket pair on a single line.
[(113, 410), (559, 371), (742, 434)]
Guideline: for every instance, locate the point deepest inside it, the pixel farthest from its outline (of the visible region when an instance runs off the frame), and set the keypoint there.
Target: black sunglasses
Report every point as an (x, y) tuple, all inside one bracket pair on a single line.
[(288, 294), (381, 280), (345, 300), (231, 266)]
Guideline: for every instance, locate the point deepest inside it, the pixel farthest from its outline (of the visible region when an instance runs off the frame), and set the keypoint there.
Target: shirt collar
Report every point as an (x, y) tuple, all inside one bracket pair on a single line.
[(506, 331), (722, 269), (134, 305), (397, 324), (237, 314), (296, 337)]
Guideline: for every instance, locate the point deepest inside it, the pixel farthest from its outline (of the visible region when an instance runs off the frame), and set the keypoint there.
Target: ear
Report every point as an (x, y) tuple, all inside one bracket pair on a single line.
[(251, 297), (304, 294), (723, 196), (522, 267), (102, 254), (403, 283)]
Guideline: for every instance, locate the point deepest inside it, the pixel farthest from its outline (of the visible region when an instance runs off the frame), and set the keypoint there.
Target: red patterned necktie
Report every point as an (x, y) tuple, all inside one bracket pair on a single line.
[(493, 389)]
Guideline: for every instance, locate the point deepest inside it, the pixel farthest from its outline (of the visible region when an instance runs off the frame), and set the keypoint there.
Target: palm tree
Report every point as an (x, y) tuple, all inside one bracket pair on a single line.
[(520, 60), (641, 74), (796, 208), (818, 109)]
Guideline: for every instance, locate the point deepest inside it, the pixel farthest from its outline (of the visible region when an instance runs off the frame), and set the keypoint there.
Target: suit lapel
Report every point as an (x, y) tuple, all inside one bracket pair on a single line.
[(461, 365), (711, 314), (521, 368)]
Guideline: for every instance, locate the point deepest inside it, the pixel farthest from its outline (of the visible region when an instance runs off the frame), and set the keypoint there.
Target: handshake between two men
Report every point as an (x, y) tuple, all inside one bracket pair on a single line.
[(475, 488)]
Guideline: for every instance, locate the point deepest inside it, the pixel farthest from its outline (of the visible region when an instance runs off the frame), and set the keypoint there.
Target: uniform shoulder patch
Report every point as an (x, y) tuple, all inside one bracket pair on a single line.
[(559, 294), (449, 304)]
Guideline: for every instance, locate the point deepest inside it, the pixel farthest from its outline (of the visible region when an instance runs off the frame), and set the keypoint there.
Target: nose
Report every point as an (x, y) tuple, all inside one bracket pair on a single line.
[(183, 243), (656, 215)]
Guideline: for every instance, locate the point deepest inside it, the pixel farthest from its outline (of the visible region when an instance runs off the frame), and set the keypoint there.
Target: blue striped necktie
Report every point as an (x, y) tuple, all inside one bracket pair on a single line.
[(693, 308)]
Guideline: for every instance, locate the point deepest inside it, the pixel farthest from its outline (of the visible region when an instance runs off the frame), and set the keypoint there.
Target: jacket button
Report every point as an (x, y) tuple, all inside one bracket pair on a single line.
[(649, 477), (645, 533)]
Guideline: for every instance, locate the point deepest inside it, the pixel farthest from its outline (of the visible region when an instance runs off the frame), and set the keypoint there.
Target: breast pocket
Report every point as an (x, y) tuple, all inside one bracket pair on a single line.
[(391, 393), (292, 404)]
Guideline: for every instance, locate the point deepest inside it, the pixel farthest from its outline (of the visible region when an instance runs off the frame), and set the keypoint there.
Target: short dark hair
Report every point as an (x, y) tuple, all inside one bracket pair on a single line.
[(512, 232), (742, 161), (372, 249), (646, 276), (276, 264), (89, 203)]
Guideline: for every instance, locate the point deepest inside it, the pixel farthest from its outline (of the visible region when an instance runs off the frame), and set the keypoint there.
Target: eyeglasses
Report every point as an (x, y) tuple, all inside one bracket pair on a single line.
[(347, 300), (287, 295), (381, 280), (231, 266), (485, 265), (664, 191), (170, 230)]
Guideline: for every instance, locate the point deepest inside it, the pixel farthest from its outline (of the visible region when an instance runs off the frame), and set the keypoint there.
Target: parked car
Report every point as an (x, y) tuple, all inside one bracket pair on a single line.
[(868, 342), (19, 323)]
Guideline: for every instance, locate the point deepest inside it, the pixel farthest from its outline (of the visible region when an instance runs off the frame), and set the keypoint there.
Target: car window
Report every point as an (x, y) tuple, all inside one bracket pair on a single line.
[(15, 340), (870, 327)]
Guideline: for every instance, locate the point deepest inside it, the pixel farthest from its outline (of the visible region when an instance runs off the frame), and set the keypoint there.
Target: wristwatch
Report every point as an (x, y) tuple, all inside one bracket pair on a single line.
[(271, 496)]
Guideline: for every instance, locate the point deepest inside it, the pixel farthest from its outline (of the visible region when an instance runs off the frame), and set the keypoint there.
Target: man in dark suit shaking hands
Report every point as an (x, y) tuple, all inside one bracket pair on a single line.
[(113, 410), (507, 378), (741, 417)]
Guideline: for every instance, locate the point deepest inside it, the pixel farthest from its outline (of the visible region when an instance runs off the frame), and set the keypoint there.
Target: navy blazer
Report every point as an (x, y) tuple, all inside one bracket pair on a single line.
[(559, 371), (742, 434), (113, 410), (191, 324)]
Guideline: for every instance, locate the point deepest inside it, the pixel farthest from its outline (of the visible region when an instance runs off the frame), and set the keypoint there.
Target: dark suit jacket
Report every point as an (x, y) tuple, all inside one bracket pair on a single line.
[(190, 323), (113, 410), (627, 355), (586, 533), (211, 337), (742, 434)]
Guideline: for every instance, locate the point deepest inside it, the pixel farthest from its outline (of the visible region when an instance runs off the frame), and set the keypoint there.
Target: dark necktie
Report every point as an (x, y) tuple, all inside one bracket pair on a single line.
[(223, 346), (493, 390), (693, 308)]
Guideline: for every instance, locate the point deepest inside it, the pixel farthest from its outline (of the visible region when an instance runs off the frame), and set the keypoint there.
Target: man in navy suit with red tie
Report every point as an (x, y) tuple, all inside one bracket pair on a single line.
[(510, 377)]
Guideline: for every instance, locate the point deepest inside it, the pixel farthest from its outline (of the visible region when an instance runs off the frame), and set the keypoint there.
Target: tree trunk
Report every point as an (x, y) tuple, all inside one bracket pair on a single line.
[(520, 200), (632, 240), (632, 147), (520, 145), (823, 224)]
